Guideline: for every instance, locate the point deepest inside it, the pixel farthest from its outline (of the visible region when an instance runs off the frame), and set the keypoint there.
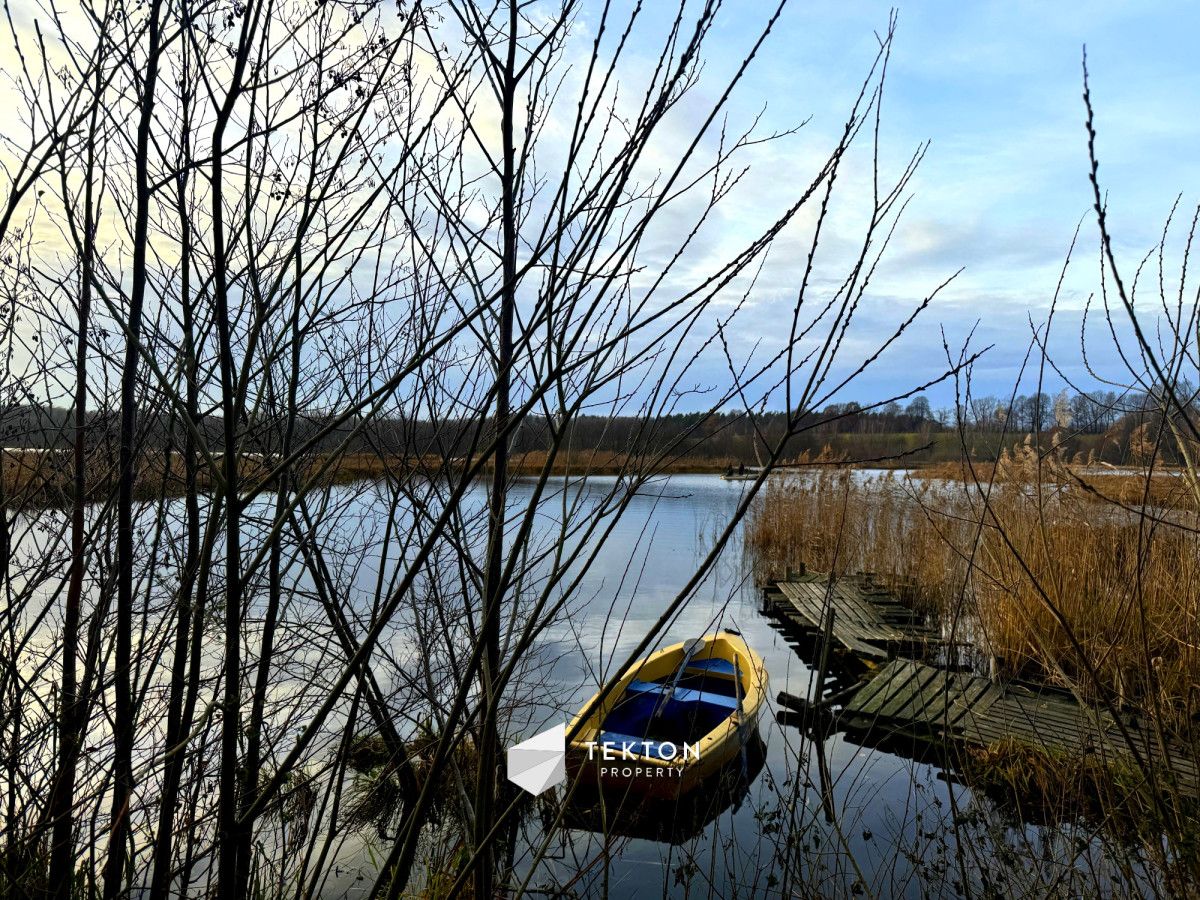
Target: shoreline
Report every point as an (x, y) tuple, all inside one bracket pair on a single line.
[(43, 478)]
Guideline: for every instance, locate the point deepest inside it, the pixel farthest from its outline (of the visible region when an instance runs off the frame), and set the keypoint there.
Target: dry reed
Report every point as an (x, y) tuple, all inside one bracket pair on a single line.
[(1051, 583), (44, 478)]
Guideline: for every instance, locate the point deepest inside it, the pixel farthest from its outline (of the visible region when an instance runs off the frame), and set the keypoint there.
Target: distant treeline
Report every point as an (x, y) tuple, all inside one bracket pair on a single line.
[(1104, 427)]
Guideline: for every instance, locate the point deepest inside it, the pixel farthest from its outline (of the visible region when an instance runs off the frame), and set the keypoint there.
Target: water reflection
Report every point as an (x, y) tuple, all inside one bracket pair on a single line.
[(746, 848), (671, 820)]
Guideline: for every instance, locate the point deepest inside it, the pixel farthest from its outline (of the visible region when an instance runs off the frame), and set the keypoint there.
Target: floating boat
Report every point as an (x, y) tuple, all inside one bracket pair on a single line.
[(740, 476), (674, 719), (671, 820)]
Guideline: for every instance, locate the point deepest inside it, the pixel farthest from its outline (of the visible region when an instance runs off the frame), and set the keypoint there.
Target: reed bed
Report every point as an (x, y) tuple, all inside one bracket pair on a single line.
[(1164, 487), (1051, 582), (843, 521), (44, 478)]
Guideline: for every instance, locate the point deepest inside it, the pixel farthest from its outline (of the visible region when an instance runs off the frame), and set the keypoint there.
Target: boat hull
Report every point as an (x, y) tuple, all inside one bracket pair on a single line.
[(600, 758), (633, 813)]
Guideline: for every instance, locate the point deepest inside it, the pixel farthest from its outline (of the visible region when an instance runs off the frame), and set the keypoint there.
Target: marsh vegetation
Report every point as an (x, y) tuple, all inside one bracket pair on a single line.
[(349, 359)]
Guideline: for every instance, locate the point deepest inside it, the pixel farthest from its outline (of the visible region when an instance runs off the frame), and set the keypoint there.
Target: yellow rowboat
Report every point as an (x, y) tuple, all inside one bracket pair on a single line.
[(674, 719), (671, 820)]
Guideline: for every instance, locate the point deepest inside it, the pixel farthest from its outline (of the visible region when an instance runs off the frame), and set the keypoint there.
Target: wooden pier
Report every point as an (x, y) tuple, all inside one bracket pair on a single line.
[(910, 699), (881, 693), (861, 616)]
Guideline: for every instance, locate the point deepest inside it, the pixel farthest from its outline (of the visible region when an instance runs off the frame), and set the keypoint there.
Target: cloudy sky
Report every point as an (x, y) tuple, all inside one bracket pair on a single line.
[(997, 90)]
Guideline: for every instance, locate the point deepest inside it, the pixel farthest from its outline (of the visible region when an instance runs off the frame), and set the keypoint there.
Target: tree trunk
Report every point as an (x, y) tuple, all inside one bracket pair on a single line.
[(123, 730)]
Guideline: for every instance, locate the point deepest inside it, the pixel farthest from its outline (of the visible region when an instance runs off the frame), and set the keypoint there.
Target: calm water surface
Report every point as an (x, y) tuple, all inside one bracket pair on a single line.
[(883, 805), (828, 818)]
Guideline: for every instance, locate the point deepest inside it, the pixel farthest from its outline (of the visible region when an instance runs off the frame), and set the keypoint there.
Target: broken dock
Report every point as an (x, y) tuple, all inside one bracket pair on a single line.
[(924, 703), (882, 692), (862, 616)]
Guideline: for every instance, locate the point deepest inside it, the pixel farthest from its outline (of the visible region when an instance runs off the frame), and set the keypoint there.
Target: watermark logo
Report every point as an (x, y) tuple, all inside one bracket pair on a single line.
[(539, 763), (616, 757)]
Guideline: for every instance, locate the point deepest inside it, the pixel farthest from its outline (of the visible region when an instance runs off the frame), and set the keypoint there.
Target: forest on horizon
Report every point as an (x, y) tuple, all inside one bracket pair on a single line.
[(1108, 427)]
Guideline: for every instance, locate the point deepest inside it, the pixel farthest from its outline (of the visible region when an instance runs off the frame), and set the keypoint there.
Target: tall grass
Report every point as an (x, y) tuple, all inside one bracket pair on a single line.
[(1050, 582), (44, 478)]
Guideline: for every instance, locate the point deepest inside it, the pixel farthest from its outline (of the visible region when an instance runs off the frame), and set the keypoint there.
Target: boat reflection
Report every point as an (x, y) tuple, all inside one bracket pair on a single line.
[(675, 819)]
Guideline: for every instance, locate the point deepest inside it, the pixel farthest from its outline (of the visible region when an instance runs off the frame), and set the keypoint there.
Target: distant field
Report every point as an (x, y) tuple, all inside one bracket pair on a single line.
[(44, 476)]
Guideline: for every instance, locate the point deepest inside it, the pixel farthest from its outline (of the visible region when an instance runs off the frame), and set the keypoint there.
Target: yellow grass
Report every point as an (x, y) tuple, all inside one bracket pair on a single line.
[(1047, 579), (610, 462), (45, 477)]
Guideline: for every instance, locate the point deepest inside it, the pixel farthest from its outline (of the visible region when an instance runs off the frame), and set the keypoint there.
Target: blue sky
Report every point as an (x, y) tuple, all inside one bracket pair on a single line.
[(996, 88)]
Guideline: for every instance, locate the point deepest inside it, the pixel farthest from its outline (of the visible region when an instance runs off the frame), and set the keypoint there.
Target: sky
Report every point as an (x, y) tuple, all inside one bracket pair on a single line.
[(996, 88), (996, 91)]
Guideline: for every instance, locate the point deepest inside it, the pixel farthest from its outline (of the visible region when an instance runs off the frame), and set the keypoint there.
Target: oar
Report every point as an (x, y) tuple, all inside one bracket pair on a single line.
[(737, 693), (690, 649)]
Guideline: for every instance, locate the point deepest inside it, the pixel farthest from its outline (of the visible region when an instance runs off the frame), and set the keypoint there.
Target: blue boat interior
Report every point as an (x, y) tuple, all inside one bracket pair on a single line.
[(704, 695)]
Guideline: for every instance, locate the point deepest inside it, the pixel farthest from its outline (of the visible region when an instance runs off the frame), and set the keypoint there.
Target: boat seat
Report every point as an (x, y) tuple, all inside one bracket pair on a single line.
[(715, 665), (682, 695), (637, 686)]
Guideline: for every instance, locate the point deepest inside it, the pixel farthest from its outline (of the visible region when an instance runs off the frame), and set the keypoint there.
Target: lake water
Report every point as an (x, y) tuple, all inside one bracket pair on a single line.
[(883, 806), (822, 818)]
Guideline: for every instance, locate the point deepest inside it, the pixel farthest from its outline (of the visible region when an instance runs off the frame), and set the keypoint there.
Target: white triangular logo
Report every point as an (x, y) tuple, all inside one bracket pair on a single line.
[(540, 762)]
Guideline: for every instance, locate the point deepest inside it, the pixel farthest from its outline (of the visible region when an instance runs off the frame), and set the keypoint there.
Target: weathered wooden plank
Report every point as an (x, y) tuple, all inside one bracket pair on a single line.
[(974, 698), (936, 698), (879, 683), (901, 697), (904, 693), (899, 675), (884, 615), (859, 625), (848, 619), (804, 602), (857, 645), (889, 680), (964, 694), (810, 600), (907, 705), (911, 696), (856, 608)]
